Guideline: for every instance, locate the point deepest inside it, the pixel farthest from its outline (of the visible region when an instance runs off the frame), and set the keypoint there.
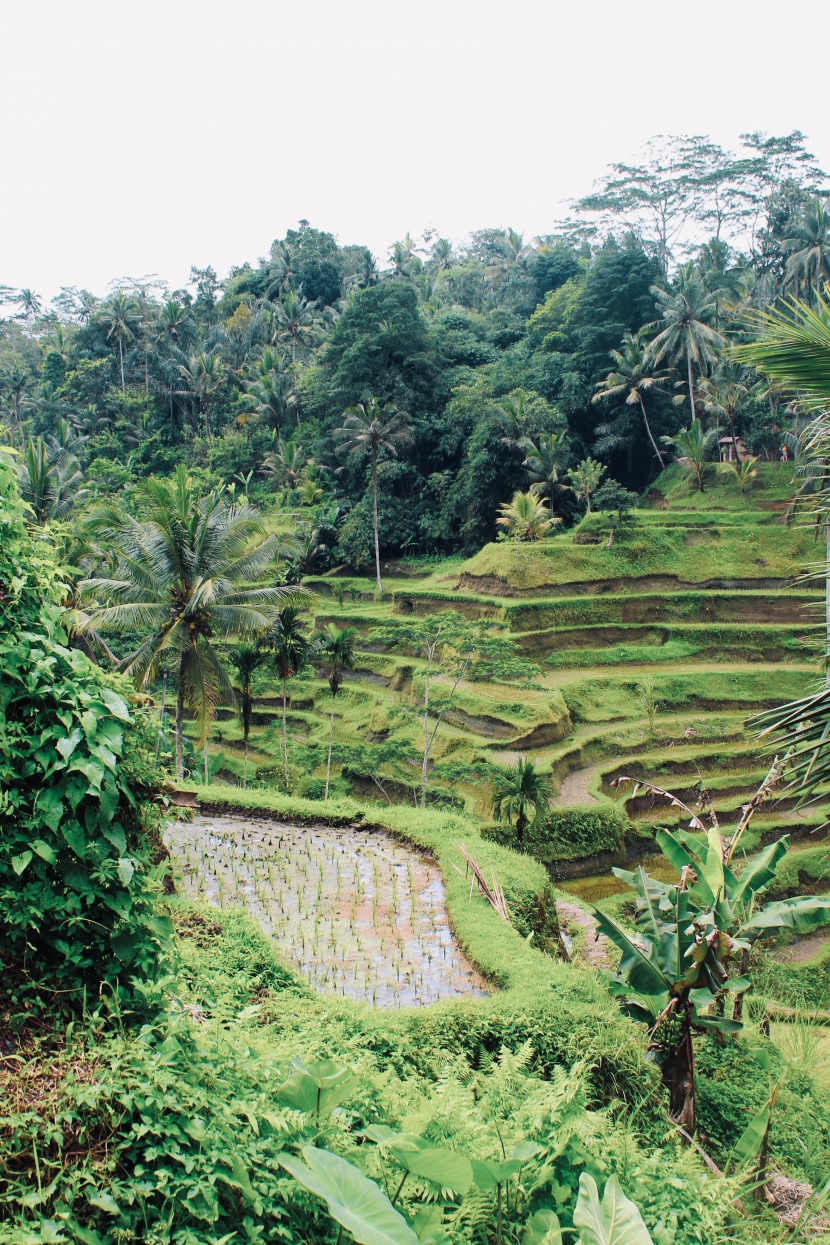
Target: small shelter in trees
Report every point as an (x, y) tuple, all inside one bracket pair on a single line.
[(731, 449)]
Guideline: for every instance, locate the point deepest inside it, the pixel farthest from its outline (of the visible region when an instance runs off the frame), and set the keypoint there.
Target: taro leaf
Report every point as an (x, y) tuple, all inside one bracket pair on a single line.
[(354, 1201), (428, 1225), (319, 1087), (446, 1168), (115, 704), (748, 1146), (617, 1221), (542, 1229)]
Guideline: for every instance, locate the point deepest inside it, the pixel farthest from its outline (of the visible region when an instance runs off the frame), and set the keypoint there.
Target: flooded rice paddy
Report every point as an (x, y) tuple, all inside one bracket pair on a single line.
[(358, 913)]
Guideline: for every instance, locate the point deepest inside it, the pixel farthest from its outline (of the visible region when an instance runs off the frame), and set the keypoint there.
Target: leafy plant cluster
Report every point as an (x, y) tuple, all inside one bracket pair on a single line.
[(77, 906)]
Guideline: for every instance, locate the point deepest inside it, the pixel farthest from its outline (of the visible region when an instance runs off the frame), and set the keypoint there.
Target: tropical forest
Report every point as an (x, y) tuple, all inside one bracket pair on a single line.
[(415, 732)]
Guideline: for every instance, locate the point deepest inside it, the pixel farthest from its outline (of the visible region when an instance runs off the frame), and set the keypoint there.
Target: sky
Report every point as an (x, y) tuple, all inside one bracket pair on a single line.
[(145, 136)]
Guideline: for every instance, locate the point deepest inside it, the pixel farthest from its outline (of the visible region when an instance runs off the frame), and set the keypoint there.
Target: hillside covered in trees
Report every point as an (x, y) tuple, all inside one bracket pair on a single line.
[(414, 789)]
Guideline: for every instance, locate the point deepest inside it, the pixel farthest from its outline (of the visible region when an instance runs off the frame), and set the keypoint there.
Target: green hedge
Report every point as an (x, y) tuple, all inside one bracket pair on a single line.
[(570, 833)]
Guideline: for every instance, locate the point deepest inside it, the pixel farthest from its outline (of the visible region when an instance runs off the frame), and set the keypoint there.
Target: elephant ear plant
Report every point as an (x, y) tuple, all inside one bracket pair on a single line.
[(690, 953)]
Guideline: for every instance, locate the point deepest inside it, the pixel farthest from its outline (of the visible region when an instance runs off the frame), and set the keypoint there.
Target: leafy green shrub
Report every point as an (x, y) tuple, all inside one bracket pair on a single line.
[(76, 904), (569, 833)]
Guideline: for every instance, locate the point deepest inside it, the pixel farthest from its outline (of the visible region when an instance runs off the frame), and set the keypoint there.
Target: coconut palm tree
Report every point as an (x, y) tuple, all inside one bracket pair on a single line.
[(743, 473), (526, 516), (520, 791), (50, 480), (289, 647), (723, 392), (121, 312), (692, 450), (204, 375), (811, 243), (181, 563), (15, 383), (246, 660), (544, 462), (684, 330), (633, 376), (335, 648), (369, 428), (296, 320)]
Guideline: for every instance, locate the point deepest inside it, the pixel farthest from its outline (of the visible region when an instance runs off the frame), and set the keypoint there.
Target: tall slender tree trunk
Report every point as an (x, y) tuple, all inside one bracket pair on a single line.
[(331, 739), (691, 383), (650, 433), (245, 771), (180, 722), (425, 761), (284, 732), (161, 715), (827, 601), (205, 758), (121, 354), (375, 518)]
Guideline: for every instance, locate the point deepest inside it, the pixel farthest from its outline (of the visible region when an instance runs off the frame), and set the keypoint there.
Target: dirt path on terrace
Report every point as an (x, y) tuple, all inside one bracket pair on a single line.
[(802, 950), (594, 951), (575, 787)]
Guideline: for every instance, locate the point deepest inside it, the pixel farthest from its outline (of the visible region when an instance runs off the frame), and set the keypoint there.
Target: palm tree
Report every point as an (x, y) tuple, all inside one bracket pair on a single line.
[(289, 649), (15, 382), (723, 392), (520, 791), (526, 516), (50, 480), (121, 312), (743, 472), (369, 428), (632, 377), (336, 651), (285, 463), (297, 321), (30, 305), (683, 330), (204, 374), (246, 659), (545, 459), (180, 567), (692, 450), (811, 237)]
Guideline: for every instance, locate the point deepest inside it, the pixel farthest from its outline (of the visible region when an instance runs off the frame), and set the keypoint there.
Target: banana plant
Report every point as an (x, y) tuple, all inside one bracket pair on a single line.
[(693, 938)]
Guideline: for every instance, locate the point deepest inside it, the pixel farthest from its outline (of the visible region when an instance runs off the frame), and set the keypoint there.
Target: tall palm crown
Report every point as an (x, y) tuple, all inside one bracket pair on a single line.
[(246, 659), (178, 581), (811, 243), (723, 392), (121, 313), (684, 330), (520, 791), (633, 376), (545, 461), (369, 428)]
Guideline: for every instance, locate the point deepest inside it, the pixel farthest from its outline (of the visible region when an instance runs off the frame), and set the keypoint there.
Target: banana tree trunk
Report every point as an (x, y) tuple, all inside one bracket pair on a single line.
[(679, 1075)]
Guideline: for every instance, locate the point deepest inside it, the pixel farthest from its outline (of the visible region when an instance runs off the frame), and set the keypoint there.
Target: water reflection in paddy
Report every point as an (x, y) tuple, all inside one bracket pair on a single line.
[(357, 912)]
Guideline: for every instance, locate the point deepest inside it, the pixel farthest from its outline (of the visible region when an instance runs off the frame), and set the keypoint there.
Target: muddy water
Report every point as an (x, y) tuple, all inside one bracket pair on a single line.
[(356, 912), (602, 885)]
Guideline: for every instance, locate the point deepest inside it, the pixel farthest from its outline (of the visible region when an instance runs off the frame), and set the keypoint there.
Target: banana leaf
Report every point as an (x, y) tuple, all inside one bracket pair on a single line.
[(638, 964), (757, 873)]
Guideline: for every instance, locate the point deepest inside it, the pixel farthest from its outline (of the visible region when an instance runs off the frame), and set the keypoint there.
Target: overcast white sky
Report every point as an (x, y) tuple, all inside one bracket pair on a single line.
[(143, 136)]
